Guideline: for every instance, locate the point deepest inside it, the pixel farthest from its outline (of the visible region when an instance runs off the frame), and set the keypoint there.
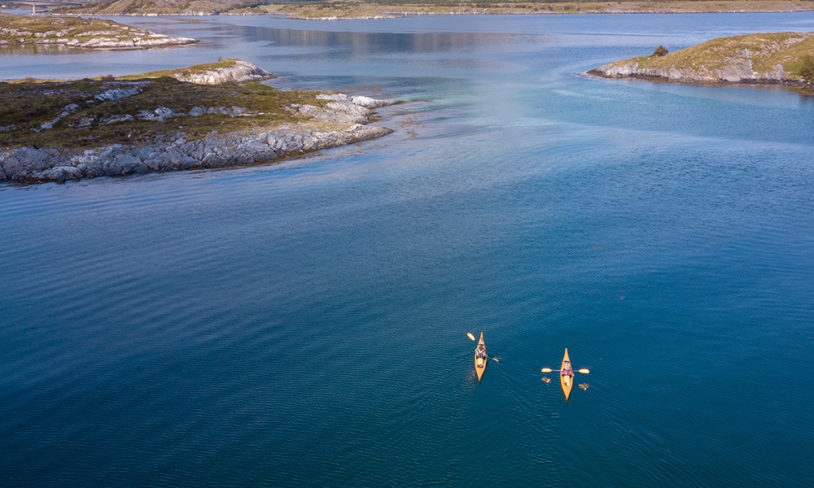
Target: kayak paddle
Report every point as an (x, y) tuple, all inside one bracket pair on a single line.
[(549, 370)]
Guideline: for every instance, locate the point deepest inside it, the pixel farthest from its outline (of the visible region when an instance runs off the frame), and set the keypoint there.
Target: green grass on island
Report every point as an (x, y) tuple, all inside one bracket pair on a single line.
[(326, 9), (81, 115), (183, 72)]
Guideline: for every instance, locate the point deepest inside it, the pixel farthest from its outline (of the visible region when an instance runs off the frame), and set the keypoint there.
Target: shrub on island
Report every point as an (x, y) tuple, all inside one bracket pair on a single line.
[(660, 51), (807, 70)]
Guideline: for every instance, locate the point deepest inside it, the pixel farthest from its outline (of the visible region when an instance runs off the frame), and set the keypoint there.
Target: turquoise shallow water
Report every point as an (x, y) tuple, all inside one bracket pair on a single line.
[(304, 324)]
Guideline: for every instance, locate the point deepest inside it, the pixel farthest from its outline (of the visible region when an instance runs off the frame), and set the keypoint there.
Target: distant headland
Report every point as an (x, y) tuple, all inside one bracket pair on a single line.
[(775, 58), (373, 9), (203, 116)]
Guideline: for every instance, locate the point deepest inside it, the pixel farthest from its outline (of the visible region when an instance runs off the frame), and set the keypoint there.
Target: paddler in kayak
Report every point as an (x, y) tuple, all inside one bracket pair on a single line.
[(480, 351), (567, 372), (480, 358)]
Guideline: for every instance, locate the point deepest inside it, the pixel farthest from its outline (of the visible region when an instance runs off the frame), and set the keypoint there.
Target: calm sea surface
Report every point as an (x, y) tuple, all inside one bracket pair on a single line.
[(303, 324)]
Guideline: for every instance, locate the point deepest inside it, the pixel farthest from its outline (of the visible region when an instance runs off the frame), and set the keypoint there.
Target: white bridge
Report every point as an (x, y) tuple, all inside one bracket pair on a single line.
[(43, 3)]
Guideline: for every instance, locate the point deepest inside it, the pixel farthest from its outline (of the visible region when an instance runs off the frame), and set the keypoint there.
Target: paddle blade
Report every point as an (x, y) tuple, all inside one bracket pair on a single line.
[(471, 337), (583, 371), (496, 360), (546, 370)]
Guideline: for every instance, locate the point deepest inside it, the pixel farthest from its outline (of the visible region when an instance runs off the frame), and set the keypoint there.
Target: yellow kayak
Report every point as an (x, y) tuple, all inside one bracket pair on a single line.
[(566, 375), (480, 361)]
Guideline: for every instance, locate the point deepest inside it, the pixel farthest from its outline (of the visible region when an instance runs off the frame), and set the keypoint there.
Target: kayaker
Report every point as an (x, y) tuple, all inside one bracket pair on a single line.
[(567, 371), (480, 351)]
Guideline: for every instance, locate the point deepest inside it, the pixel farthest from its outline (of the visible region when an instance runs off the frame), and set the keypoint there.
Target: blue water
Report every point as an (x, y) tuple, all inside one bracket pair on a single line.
[(303, 324)]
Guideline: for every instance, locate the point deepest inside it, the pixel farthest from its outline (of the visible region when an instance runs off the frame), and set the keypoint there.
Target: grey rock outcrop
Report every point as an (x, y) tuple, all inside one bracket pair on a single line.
[(66, 111), (240, 71), (738, 71), (159, 114), (118, 93)]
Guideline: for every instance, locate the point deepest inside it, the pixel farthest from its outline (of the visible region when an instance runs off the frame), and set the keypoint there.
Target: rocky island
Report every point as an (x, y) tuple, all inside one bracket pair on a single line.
[(204, 116), (776, 58), (80, 33)]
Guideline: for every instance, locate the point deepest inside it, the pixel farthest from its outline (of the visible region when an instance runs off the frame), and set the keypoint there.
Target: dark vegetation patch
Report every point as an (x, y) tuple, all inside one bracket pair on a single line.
[(660, 51), (69, 114), (807, 69)]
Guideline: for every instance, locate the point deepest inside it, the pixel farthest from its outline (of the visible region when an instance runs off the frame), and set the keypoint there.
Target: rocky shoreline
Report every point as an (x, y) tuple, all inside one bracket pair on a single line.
[(736, 73), (313, 123)]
